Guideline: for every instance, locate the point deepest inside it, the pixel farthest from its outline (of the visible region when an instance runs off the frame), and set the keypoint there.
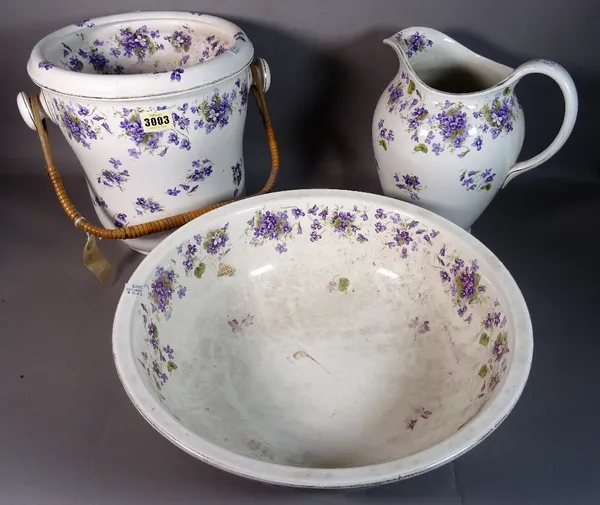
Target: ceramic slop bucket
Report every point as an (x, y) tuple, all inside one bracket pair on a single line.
[(153, 105)]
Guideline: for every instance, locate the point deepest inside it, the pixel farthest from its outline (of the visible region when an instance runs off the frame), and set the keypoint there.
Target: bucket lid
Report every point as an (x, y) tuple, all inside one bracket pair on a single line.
[(139, 54)]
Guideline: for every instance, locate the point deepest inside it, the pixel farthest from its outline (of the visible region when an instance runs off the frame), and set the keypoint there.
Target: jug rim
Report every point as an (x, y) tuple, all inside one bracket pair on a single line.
[(394, 42), (46, 74)]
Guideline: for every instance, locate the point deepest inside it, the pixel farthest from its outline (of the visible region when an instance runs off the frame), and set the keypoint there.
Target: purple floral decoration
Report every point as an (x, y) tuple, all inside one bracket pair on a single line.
[(93, 55), (409, 184), (498, 114), (395, 95), (120, 220), (145, 205), (268, 225), (236, 171), (137, 43), (131, 127), (453, 128), (214, 112), (80, 124), (189, 251), (240, 36), (113, 177), (242, 87), (100, 202), (45, 64), (162, 290), (462, 280), (385, 136), (477, 180), (85, 24), (176, 74), (216, 241), (180, 41), (415, 43), (201, 170), (406, 234), (213, 47)]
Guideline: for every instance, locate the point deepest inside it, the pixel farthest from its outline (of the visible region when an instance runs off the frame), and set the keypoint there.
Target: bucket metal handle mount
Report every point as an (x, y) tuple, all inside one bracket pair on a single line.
[(260, 83)]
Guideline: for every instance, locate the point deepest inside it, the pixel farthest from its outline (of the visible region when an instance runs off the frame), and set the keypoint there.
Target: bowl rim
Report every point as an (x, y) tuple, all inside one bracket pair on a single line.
[(111, 87), (475, 431)]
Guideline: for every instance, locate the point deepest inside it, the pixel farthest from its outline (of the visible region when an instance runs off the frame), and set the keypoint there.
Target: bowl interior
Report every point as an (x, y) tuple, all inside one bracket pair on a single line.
[(138, 47), (320, 334)]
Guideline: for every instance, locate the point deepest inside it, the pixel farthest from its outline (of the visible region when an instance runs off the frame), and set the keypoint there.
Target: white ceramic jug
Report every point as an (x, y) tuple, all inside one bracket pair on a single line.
[(154, 105), (448, 129)]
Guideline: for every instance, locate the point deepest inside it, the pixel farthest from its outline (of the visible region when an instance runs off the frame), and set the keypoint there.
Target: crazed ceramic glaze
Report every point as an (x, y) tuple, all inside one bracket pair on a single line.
[(153, 104), (448, 129), (322, 338)]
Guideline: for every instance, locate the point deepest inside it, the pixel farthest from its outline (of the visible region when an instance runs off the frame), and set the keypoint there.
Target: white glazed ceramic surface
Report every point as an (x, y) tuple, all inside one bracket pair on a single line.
[(448, 129), (323, 338), (153, 105)]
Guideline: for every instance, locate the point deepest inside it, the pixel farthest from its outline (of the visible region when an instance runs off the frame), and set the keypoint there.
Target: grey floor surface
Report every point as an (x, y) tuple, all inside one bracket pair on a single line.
[(69, 435)]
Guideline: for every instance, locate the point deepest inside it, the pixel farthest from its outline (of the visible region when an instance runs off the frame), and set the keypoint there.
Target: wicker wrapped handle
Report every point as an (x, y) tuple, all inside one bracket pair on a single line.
[(167, 223)]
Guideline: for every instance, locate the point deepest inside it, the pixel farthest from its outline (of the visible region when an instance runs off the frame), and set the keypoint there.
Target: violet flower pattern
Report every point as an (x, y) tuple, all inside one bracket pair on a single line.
[(45, 64), (120, 220), (91, 59), (214, 112), (113, 177), (403, 234), (213, 47), (216, 242), (477, 180), (147, 205), (190, 252), (237, 172), (241, 89), (131, 128), (140, 43), (499, 114), (385, 135), (414, 43), (157, 359), (79, 123), (163, 289), (268, 226), (99, 201), (179, 40), (200, 171), (284, 225), (462, 280), (409, 184), (450, 127), (176, 137), (492, 371)]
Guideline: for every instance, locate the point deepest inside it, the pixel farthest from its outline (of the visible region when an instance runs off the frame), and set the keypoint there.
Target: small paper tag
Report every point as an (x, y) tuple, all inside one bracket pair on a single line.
[(134, 289), (95, 261), (156, 121)]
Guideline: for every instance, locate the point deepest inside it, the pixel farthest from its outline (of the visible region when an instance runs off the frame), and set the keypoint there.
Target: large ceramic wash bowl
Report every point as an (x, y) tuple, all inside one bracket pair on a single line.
[(323, 338)]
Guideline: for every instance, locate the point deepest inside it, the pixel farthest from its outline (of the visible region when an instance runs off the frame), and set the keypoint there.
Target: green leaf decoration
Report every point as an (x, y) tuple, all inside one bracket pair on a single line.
[(483, 371), (343, 284), (383, 144), (421, 148), (411, 87), (171, 366), (486, 187), (199, 270), (484, 339), (506, 91)]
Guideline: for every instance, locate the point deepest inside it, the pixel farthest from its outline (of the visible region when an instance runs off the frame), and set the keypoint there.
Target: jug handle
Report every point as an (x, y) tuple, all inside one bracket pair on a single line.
[(567, 86), (260, 84)]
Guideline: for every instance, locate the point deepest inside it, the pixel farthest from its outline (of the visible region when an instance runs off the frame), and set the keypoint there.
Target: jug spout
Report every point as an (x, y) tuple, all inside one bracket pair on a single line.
[(440, 64)]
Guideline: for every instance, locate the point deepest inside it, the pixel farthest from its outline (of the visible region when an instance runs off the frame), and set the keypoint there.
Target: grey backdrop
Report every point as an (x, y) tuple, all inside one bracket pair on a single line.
[(68, 434)]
